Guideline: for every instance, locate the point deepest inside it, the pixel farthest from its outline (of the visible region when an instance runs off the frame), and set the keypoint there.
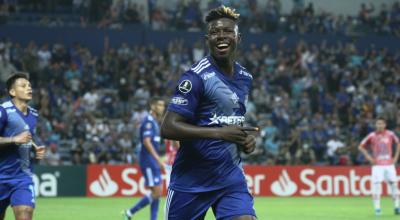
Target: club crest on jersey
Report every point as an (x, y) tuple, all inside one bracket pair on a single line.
[(208, 75), (185, 86), (148, 125), (234, 98)]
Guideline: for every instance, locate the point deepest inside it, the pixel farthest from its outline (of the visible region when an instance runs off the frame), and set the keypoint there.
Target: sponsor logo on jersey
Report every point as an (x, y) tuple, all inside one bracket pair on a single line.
[(179, 101), (226, 120), (242, 72)]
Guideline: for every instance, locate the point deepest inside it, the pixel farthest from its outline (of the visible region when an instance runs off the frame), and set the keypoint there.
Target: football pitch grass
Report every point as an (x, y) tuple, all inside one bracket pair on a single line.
[(66, 208)]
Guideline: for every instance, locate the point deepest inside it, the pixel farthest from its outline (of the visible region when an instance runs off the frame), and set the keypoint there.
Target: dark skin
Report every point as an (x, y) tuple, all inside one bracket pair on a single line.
[(222, 39)]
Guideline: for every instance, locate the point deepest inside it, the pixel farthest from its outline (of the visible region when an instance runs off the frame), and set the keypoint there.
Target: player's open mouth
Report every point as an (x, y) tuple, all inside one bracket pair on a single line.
[(222, 47)]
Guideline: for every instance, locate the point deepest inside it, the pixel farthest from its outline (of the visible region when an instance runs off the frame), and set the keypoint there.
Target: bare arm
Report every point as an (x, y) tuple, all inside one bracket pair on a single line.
[(21, 138), (177, 144), (4, 141), (150, 148), (396, 155), (40, 151), (366, 154), (175, 127)]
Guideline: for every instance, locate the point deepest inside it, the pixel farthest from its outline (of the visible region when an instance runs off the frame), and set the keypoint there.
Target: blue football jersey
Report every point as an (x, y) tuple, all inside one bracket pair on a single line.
[(15, 159), (149, 128), (207, 97)]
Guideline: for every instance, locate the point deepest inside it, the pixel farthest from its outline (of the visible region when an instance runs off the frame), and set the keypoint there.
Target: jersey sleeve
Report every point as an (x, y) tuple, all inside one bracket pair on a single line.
[(395, 138), (3, 118), (187, 95), (147, 129), (366, 141)]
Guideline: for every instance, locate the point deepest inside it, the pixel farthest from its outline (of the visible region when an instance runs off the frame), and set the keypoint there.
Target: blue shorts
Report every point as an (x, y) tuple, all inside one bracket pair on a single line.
[(151, 175), (17, 192), (226, 204)]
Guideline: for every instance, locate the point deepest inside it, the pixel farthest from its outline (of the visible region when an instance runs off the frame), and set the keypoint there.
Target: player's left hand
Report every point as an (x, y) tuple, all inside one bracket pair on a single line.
[(40, 152), (250, 144)]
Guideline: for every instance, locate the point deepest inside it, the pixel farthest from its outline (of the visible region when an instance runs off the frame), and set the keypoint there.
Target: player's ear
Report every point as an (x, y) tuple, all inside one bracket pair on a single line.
[(12, 92), (239, 38), (206, 38)]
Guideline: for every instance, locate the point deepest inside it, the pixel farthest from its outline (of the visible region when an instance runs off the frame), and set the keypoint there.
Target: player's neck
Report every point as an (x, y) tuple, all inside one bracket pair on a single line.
[(21, 105), (226, 66), (152, 113)]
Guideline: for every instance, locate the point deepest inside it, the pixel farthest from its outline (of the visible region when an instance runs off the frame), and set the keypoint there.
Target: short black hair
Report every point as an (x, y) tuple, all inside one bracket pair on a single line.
[(154, 100), (11, 80), (222, 12), (381, 118)]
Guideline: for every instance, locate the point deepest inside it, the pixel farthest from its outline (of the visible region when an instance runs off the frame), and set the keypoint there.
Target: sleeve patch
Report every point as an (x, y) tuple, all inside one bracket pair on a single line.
[(185, 86)]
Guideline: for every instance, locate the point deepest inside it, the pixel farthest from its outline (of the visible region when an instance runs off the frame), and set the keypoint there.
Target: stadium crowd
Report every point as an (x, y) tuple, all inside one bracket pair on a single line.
[(313, 103), (188, 15)]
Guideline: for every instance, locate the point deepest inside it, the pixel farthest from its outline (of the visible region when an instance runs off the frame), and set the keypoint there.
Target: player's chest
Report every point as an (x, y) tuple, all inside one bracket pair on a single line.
[(382, 140), (17, 123), (229, 93)]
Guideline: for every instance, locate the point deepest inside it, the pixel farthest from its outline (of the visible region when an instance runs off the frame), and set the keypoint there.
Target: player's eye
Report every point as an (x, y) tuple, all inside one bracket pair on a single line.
[(213, 32)]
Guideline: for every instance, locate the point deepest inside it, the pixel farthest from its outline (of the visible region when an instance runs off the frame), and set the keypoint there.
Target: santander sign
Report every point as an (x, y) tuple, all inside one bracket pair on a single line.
[(304, 181), (331, 185), (281, 181)]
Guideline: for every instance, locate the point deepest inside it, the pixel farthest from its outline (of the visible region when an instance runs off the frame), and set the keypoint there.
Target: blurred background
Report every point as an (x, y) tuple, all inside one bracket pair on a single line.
[(323, 70)]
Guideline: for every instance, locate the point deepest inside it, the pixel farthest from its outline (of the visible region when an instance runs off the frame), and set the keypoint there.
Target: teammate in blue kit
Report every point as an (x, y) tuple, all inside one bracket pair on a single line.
[(149, 160), (206, 114), (17, 136)]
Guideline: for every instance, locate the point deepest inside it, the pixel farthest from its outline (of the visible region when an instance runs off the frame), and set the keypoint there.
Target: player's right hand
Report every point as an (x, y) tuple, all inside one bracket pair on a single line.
[(22, 138), (235, 134)]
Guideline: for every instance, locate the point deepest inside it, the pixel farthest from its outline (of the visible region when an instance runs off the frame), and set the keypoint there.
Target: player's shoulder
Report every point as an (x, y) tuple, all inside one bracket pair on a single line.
[(390, 132), (8, 107), (371, 134), (148, 119), (201, 67), (243, 71), (7, 104)]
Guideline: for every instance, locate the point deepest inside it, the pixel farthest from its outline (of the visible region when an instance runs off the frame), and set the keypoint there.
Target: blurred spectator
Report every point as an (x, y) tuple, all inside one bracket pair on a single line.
[(52, 158), (77, 151), (44, 56), (333, 147), (187, 15), (305, 155)]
